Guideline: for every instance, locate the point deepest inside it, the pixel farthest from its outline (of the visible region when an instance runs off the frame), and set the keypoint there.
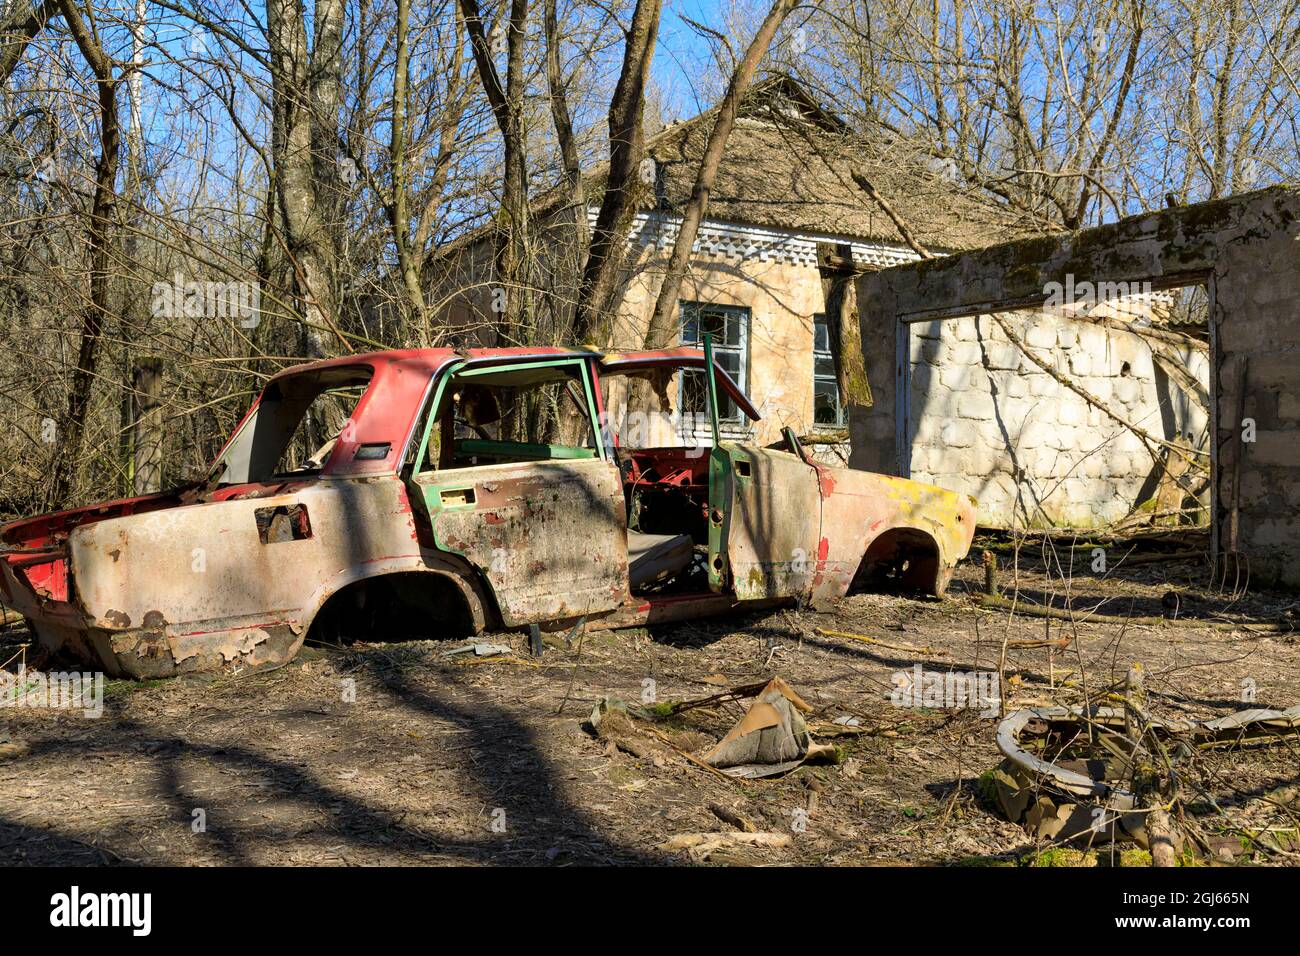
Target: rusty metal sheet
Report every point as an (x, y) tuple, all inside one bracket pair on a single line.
[(549, 537), (772, 523)]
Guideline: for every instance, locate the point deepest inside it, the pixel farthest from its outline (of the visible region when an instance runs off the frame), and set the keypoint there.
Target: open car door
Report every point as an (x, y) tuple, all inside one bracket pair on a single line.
[(764, 504), (769, 503), (543, 524)]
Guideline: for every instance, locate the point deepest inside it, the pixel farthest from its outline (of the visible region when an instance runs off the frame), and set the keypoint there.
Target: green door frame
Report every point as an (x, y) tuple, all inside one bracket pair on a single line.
[(454, 371)]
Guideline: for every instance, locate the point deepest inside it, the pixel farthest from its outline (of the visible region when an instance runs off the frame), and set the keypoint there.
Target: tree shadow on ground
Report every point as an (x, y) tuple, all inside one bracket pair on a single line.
[(503, 754)]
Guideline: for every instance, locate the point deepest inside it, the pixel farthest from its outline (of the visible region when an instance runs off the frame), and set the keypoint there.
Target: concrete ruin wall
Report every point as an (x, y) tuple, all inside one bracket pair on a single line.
[(984, 420), (1247, 251)]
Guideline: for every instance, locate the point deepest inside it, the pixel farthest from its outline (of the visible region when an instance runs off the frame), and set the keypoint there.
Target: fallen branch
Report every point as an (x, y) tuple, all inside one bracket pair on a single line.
[(1142, 331), (1159, 558), (1060, 643), (1146, 437), (1082, 617), (903, 229), (687, 841), (725, 697), (910, 649)]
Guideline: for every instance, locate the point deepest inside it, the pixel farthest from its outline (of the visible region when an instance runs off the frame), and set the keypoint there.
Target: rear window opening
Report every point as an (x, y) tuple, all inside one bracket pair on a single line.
[(294, 429)]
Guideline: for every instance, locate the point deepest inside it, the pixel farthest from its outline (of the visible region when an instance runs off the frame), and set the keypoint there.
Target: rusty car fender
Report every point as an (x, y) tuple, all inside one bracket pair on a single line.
[(230, 584), (859, 507)]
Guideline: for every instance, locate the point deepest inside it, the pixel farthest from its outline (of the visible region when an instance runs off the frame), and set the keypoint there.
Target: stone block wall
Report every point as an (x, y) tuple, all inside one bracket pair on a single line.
[(1246, 249), (985, 420)]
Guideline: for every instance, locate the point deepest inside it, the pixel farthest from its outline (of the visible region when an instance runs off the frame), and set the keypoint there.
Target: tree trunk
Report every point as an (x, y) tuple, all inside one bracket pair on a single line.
[(146, 387), (326, 72), (840, 296), (307, 239), (397, 206), (100, 229), (26, 19), (508, 298), (663, 323), (564, 292), (593, 320)]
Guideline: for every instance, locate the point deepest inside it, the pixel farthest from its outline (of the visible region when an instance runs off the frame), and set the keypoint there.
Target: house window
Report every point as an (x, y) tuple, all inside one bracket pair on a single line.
[(827, 408), (729, 327)]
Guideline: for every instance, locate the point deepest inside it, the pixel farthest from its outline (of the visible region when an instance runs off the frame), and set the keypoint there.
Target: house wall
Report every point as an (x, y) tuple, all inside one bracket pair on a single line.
[(1246, 248), (771, 272), (984, 420), (782, 299)]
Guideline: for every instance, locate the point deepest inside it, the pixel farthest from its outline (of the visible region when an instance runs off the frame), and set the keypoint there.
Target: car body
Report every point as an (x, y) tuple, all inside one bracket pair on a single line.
[(415, 507)]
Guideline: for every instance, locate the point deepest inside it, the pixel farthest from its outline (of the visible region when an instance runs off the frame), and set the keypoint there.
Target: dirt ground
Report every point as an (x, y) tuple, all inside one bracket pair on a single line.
[(486, 761)]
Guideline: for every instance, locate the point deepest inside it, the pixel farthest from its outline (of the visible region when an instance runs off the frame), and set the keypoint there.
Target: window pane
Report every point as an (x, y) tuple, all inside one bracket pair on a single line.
[(730, 361), (821, 334), (823, 368), (826, 403), (722, 322), (727, 325)]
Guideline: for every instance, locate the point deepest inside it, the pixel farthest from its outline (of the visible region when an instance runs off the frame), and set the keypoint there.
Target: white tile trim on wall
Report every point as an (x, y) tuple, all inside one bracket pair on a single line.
[(756, 243)]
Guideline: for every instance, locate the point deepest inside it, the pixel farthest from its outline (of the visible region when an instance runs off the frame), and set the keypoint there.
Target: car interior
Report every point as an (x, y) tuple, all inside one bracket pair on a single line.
[(492, 416)]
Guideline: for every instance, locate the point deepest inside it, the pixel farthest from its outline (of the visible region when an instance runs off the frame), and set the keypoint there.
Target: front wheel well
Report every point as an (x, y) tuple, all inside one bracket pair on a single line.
[(902, 559), (398, 606)]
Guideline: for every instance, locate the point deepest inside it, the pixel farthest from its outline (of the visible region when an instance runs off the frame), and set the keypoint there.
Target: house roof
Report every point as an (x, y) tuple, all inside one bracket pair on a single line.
[(788, 165)]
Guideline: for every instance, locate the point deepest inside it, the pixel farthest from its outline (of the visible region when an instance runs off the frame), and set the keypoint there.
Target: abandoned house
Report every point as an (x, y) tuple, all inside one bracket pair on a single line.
[(967, 409), (1234, 350), (784, 188)]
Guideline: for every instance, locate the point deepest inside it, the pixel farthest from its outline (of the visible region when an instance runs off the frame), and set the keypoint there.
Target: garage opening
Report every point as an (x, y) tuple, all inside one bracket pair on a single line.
[(1091, 411)]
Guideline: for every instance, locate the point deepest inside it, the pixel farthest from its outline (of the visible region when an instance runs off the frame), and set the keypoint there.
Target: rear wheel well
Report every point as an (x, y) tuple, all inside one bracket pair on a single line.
[(402, 606), (902, 559)]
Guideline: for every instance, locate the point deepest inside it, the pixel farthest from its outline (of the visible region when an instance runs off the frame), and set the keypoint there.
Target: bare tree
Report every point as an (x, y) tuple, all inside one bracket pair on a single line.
[(99, 231), (507, 102), (626, 151), (297, 98), (662, 323)]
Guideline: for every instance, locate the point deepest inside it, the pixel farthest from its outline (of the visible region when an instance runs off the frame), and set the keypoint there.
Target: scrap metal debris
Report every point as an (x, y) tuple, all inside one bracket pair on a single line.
[(480, 650), (1107, 773), (771, 739)]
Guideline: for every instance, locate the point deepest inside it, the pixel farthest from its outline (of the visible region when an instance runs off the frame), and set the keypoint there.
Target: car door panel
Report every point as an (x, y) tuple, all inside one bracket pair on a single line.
[(765, 522), (549, 537)]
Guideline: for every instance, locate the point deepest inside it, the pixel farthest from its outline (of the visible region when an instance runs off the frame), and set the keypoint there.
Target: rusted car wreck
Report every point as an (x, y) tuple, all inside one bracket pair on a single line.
[(416, 516)]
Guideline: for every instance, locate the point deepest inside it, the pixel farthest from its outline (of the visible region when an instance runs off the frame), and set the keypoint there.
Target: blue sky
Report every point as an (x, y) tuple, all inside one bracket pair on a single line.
[(683, 56)]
